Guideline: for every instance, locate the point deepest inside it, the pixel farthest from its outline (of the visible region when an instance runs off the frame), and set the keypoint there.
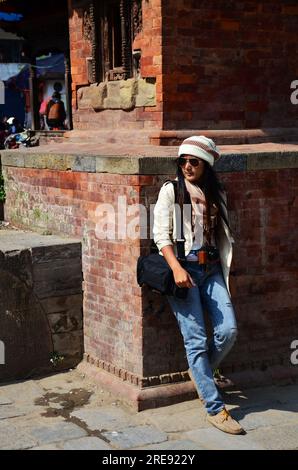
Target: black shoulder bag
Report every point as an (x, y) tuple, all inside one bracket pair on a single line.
[(154, 272)]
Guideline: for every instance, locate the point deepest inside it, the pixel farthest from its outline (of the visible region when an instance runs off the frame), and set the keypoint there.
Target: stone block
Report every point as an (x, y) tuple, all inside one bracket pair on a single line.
[(66, 322), (119, 94), (54, 282), (146, 93), (111, 164), (12, 159), (110, 418), (279, 437), (62, 304), (30, 161), (97, 95), (84, 163), (21, 317), (213, 439), (59, 162), (13, 438), (50, 253), (270, 161), (135, 437), (85, 443), (46, 434), (254, 418), (113, 100), (69, 343), (92, 96), (5, 401), (10, 412), (128, 92), (231, 162)]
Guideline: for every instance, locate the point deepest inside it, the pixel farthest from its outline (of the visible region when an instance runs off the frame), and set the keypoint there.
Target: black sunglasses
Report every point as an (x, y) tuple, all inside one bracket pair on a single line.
[(193, 161)]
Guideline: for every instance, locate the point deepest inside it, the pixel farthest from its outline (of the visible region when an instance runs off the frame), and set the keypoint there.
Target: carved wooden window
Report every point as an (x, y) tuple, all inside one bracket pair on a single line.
[(115, 38), (114, 46), (112, 26)]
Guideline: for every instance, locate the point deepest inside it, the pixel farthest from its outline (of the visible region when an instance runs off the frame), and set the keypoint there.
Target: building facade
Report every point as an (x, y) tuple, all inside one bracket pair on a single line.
[(183, 64), (172, 65)]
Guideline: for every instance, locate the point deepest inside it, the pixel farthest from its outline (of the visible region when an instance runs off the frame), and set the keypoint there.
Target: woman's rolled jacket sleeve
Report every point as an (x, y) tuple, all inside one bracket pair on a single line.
[(163, 217)]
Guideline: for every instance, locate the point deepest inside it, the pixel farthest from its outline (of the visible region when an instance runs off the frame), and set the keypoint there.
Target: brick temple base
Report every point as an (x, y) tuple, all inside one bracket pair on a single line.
[(131, 339)]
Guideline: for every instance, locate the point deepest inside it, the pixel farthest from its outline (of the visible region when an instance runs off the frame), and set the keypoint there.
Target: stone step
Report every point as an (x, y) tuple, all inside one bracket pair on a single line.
[(169, 137), (226, 137), (109, 136)]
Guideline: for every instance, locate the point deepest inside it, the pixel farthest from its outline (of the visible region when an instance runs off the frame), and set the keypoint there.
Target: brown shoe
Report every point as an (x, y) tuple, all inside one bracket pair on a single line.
[(224, 421)]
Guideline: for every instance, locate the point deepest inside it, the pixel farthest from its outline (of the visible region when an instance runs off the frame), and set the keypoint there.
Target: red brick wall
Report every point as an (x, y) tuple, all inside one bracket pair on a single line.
[(137, 336), (149, 41), (264, 209), (229, 64), (65, 203), (80, 49)]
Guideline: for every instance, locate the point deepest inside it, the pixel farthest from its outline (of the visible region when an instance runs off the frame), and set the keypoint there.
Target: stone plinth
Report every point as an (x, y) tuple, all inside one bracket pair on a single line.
[(132, 343), (41, 304)]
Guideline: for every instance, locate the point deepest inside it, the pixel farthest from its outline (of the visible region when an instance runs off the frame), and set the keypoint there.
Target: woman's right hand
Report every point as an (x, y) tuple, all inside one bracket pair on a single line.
[(182, 278)]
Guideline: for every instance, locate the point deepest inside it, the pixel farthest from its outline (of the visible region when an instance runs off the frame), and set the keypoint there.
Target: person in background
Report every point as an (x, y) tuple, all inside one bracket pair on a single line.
[(43, 113), (14, 126), (55, 112), (28, 114)]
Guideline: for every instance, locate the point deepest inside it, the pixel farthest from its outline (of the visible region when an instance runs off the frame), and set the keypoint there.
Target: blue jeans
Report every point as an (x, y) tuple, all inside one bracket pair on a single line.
[(211, 294)]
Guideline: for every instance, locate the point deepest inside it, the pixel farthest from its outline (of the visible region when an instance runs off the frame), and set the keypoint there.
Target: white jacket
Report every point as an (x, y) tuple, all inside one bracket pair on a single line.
[(165, 230)]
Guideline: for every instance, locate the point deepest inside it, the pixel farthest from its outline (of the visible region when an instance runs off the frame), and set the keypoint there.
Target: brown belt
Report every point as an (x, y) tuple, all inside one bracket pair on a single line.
[(205, 257)]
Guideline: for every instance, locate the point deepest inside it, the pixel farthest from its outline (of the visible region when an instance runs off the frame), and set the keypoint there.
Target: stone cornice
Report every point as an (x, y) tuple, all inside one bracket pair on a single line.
[(144, 165)]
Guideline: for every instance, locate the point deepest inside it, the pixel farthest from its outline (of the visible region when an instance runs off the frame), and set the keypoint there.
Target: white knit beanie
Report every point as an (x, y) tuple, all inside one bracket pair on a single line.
[(199, 146)]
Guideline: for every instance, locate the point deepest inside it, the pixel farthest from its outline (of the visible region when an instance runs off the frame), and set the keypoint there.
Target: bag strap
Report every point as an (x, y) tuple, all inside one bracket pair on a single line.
[(180, 241)]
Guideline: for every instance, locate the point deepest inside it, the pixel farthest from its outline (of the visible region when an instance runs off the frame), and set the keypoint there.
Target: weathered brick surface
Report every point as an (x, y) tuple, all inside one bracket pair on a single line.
[(217, 65), (229, 65), (263, 212), (149, 40), (134, 335), (80, 49), (66, 203), (41, 304)]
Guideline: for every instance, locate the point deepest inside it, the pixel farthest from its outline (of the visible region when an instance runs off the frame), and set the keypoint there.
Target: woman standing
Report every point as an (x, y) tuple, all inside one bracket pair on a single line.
[(205, 272)]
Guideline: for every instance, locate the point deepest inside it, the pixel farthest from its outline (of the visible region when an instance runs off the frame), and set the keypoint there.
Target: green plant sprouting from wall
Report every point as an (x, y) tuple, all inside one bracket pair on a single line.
[(56, 358)]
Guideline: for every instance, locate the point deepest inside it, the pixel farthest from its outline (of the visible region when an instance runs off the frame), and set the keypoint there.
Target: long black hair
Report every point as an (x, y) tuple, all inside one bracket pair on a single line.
[(210, 185)]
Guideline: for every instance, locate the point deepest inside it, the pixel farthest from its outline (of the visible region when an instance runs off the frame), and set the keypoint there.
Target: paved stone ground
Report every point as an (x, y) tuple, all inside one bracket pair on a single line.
[(67, 411)]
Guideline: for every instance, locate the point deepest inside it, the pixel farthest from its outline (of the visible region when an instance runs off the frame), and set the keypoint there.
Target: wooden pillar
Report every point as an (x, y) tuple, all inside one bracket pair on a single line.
[(68, 92), (94, 20), (33, 99), (125, 34)]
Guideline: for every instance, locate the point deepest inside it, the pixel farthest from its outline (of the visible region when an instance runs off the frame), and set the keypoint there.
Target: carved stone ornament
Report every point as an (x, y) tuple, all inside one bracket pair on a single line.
[(87, 25), (118, 94), (137, 21)]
